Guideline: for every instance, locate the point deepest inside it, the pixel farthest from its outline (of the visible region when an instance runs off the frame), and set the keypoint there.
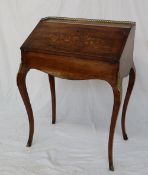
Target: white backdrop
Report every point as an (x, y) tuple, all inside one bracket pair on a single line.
[(77, 144)]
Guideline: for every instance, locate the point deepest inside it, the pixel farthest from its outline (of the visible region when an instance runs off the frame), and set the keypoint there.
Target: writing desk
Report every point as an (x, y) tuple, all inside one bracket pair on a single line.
[(80, 49)]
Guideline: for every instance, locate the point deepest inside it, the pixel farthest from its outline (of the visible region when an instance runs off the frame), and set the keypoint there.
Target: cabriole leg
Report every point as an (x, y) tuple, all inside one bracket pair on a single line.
[(117, 101), (53, 97), (132, 76), (21, 83)]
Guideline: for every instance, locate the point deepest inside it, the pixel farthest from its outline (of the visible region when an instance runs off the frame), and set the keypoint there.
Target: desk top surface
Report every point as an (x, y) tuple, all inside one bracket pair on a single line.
[(85, 38)]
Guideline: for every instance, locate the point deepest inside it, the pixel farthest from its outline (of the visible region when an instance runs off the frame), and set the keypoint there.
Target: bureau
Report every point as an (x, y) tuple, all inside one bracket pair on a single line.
[(80, 49)]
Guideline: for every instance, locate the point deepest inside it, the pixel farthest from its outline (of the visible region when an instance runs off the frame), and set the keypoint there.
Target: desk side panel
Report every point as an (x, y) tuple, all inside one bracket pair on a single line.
[(126, 61)]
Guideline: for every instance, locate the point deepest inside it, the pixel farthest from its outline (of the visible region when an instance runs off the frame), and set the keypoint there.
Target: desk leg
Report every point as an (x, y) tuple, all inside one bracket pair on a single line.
[(53, 97), (21, 83), (116, 106), (132, 76)]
